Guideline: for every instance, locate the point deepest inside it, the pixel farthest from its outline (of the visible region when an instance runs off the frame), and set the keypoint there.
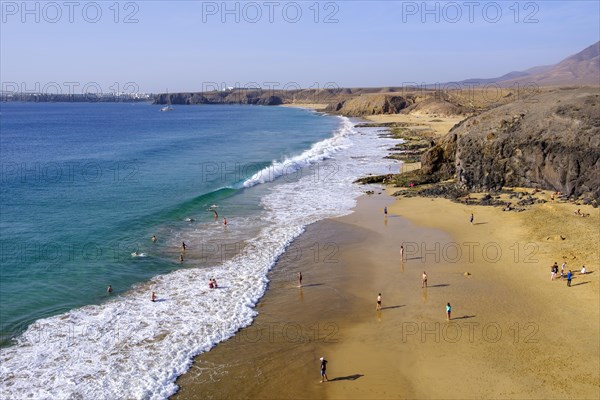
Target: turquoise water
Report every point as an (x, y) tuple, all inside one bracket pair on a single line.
[(84, 185)]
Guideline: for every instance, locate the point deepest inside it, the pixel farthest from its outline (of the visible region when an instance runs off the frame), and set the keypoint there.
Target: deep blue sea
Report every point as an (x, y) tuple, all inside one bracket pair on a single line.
[(84, 187)]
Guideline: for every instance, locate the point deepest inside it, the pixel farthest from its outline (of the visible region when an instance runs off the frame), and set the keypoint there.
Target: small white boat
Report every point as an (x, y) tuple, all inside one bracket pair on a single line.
[(168, 107)]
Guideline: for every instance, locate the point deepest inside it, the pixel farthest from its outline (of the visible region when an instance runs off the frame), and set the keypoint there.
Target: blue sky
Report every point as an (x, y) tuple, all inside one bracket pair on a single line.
[(191, 45)]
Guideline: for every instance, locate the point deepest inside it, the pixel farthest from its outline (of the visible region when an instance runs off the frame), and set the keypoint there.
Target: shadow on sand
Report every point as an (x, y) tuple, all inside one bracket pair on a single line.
[(440, 285), (463, 317), (346, 378), (390, 307), (580, 283)]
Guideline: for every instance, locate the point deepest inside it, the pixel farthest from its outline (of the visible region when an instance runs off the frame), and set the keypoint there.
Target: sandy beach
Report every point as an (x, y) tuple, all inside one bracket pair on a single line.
[(513, 334)]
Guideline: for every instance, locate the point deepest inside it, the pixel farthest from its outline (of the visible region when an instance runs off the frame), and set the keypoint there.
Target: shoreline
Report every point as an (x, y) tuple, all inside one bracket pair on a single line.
[(399, 351), (380, 355)]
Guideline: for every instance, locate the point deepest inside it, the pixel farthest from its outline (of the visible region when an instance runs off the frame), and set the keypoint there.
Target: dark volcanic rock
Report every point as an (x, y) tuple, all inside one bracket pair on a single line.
[(550, 141), (374, 104)]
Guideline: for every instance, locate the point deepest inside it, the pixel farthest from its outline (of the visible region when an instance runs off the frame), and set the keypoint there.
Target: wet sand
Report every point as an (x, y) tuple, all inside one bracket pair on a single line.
[(513, 333)]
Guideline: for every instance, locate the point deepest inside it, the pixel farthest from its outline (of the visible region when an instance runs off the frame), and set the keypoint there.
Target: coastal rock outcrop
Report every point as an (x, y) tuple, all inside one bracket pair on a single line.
[(549, 141), (256, 97), (374, 104)]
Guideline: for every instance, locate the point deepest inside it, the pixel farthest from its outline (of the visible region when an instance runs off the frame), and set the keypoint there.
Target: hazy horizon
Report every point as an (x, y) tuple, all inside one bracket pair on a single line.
[(195, 46)]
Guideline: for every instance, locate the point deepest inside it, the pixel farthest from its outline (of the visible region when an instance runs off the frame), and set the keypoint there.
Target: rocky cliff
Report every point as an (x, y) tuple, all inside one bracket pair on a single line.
[(374, 104), (355, 102), (549, 141)]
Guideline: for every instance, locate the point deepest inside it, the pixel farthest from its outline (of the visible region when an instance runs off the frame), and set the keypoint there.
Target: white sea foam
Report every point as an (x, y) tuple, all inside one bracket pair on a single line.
[(318, 152), (131, 347)]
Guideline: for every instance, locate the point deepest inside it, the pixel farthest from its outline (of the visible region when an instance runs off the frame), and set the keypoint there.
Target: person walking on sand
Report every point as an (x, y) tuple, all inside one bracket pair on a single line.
[(472, 219), (401, 253), (424, 280), (323, 369), (569, 277), (299, 279), (378, 306), (448, 312), (583, 270), (385, 210), (109, 289)]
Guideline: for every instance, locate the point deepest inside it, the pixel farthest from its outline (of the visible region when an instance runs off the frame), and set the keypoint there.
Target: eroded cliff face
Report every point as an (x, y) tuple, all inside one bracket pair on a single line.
[(257, 97), (375, 104), (550, 141), (355, 102)]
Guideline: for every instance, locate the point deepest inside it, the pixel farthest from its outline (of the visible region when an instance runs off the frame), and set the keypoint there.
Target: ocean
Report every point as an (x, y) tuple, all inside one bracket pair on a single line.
[(84, 187)]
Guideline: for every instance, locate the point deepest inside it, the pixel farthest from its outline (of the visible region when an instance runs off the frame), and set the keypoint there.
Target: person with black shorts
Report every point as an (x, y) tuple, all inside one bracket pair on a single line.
[(323, 369)]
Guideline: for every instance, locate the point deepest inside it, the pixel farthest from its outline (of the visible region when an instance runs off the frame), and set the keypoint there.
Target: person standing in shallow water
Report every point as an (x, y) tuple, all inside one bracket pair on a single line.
[(299, 278), (424, 280)]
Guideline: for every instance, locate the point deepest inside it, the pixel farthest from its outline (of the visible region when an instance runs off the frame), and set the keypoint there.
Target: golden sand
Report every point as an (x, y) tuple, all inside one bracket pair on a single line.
[(514, 333), (440, 125), (312, 106)]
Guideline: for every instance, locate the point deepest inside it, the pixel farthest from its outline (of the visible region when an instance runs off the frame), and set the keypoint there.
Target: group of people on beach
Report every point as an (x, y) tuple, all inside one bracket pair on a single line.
[(554, 273)]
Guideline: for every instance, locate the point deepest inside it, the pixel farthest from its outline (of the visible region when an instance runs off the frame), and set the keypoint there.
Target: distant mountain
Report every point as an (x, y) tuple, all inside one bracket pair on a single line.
[(582, 68)]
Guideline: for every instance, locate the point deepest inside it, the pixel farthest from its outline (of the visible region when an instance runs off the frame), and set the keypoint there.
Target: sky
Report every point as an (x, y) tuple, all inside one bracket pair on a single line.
[(156, 46)]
